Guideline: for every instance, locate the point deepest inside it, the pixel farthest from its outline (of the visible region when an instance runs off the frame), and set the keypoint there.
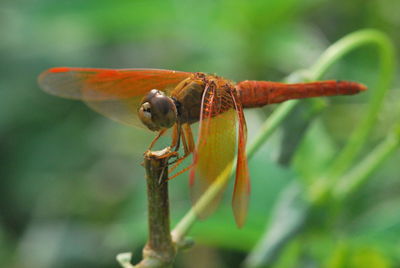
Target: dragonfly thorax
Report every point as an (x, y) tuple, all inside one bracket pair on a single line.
[(157, 110)]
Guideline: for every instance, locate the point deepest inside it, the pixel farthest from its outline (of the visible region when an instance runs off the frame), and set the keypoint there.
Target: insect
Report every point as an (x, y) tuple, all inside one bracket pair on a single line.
[(164, 99)]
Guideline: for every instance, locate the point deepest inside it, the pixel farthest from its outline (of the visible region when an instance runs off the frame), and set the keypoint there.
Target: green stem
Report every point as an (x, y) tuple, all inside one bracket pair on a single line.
[(187, 221), (360, 173), (331, 55), (270, 125)]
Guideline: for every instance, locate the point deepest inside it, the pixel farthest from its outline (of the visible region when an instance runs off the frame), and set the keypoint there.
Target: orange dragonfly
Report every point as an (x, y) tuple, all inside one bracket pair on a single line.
[(163, 99)]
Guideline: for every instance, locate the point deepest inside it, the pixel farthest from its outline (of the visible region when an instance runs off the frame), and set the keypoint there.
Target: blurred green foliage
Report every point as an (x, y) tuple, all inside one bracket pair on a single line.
[(72, 192)]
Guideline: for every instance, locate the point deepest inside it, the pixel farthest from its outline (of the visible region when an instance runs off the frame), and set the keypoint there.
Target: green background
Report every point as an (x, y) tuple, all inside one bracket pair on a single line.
[(72, 190)]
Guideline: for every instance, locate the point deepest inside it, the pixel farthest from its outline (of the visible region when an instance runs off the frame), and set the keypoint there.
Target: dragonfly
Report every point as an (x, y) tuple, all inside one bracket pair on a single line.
[(165, 99)]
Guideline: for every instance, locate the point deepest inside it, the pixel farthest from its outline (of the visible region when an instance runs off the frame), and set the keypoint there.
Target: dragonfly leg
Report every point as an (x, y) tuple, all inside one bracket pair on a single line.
[(174, 144), (187, 137), (162, 132), (183, 132), (180, 172), (188, 146), (176, 136)]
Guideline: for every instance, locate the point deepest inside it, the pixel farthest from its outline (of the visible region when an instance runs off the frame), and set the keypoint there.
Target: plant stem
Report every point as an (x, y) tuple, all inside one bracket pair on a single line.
[(357, 176), (188, 220), (159, 251), (331, 55), (270, 125), (160, 241), (320, 190)]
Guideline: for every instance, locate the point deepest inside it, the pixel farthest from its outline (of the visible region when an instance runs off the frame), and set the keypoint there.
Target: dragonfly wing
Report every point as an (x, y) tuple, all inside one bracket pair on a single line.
[(122, 110), (241, 192), (215, 149), (113, 93)]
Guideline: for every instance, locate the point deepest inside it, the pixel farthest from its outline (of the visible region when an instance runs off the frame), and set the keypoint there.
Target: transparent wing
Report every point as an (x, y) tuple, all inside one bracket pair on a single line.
[(215, 149), (241, 192), (113, 93)]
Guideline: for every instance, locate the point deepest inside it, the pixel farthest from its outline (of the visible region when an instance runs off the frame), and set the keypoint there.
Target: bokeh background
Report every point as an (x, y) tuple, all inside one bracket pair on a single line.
[(72, 190)]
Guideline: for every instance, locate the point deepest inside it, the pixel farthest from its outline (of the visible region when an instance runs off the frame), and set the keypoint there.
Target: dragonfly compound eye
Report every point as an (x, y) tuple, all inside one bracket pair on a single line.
[(145, 110), (157, 111)]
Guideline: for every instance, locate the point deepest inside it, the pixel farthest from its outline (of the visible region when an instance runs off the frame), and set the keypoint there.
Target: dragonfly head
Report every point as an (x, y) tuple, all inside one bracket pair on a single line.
[(157, 110)]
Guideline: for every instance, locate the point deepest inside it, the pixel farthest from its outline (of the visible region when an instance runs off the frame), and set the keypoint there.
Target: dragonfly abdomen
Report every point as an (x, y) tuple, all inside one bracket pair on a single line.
[(260, 93)]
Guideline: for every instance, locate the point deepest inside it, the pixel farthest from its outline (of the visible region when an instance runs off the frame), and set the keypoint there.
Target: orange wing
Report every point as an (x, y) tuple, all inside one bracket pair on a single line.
[(215, 150), (113, 93), (241, 192)]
